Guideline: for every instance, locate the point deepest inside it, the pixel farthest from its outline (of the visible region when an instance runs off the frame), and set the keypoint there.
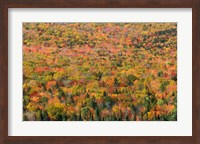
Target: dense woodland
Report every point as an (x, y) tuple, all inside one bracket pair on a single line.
[(99, 72)]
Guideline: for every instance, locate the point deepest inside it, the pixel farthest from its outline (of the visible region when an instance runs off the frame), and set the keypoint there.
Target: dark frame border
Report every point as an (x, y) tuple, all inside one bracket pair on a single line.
[(6, 4)]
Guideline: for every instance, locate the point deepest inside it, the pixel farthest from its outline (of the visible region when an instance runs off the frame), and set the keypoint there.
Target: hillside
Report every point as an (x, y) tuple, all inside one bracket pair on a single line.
[(100, 71)]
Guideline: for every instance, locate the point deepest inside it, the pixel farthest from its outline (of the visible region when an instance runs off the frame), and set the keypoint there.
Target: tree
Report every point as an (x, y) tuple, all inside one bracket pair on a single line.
[(56, 111), (86, 113), (90, 102), (99, 75), (163, 86), (87, 95), (105, 94), (39, 115), (44, 100), (116, 91), (108, 102), (116, 82), (117, 112), (45, 115), (32, 107), (26, 100), (130, 79), (96, 116)]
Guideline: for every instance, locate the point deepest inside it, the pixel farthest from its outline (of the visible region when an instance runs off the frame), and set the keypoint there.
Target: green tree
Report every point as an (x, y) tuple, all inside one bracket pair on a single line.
[(99, 75), (96, 116), (26, 100), (43, 100), (116, 82), (39, 115), (45, 115), (163, 86), (130, 79), (86, 114)]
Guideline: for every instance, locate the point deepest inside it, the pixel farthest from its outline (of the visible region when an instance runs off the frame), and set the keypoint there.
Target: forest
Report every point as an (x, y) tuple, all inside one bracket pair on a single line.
[(99, 72)]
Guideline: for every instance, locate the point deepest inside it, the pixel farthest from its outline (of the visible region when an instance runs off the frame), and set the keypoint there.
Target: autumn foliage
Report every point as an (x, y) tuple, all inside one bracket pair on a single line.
[(99, 71)]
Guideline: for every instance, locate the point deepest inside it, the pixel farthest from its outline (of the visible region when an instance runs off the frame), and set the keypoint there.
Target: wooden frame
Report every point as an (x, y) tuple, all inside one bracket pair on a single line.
[(5, 4)]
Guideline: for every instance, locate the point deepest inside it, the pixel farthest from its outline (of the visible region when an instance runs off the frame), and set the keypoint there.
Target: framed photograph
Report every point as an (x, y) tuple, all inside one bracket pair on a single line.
[(99, 72)]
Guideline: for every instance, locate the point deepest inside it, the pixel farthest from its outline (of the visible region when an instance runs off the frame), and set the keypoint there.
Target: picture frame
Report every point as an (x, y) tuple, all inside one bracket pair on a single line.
[(4, 60)]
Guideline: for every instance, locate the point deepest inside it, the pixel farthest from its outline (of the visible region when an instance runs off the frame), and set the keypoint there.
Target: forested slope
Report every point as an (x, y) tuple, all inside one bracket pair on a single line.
[(100, 71)]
